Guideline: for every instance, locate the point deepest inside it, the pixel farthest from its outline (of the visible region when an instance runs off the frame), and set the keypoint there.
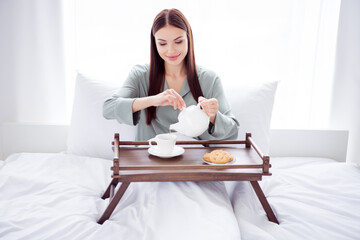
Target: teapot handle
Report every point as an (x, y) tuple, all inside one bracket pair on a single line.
[(199, 106)]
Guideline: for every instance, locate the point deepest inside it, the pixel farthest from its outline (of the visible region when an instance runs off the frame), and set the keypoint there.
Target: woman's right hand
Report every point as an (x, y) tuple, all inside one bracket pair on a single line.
[(169, 97)]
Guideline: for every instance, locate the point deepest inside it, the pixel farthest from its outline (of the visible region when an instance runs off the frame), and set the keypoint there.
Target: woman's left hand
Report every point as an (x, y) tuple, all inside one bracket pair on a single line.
[(210, 107)]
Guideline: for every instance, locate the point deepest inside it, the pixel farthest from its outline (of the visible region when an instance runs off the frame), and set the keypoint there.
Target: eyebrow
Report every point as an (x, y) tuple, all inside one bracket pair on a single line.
[(174, 39)]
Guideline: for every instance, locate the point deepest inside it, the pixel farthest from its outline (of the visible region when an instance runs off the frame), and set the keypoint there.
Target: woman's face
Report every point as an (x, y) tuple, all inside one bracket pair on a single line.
[(171, 44)]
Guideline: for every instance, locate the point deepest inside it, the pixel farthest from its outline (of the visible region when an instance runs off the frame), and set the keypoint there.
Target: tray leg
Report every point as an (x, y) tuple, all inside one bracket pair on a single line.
[(269, 212), (113, 183), (113, 202)]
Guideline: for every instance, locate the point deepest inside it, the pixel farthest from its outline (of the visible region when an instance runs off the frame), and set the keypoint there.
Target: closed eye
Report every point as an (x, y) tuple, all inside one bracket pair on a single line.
[(177, 42)]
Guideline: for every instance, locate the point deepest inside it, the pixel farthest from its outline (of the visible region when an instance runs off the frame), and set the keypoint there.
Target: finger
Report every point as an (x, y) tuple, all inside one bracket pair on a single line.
[(206, 109), (205, 104), (212, 101), (201, 99), (174, 98), (213, 104), (210, 109), (180, 101), (170, 99), (176, 102)]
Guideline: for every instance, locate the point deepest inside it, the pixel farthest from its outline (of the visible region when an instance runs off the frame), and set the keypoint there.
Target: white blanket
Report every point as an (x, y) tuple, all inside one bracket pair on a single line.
[(313, 198), (58, 196)]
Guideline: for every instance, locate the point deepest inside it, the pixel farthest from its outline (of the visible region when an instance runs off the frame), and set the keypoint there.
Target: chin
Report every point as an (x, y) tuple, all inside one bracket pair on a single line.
[(175, 63)]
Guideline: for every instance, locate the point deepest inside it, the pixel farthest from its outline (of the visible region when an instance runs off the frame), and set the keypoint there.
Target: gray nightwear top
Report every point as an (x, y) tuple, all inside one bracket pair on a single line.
[(119, 106)]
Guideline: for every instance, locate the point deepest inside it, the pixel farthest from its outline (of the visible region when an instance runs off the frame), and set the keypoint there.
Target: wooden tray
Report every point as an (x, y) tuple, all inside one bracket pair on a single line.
[(135, 164)]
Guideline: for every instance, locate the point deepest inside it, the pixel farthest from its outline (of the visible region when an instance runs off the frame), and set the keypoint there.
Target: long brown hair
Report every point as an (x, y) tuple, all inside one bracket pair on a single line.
[(174, 18)]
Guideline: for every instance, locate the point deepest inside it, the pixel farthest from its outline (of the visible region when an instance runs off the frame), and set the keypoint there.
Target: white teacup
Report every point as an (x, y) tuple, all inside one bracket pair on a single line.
[(165, 142)]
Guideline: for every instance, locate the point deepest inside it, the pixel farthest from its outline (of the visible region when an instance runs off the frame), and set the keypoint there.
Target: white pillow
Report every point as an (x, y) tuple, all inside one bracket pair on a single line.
[(252, 106), (90, 134)]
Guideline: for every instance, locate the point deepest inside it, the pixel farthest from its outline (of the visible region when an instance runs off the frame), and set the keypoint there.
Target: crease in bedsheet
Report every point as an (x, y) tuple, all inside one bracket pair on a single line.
[(309, 201), (130, 215), (205, 202)]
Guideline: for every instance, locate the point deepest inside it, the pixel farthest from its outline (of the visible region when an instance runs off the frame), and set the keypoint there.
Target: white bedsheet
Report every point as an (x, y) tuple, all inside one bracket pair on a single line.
[(313, 198), (58, 196)]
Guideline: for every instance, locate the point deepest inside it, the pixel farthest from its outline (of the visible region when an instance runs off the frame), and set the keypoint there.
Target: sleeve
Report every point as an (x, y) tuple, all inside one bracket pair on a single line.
[(226, 126), (119, 106)]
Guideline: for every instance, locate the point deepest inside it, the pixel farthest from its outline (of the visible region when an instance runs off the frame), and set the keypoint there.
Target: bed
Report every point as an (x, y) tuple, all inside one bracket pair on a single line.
[(56, 194)]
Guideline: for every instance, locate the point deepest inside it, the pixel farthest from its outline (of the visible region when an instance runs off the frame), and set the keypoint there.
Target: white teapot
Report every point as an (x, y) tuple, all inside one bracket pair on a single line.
[(192, 121)]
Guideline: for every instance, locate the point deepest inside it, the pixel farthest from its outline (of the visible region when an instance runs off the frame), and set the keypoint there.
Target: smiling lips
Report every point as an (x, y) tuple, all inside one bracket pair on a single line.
[(173, 58)]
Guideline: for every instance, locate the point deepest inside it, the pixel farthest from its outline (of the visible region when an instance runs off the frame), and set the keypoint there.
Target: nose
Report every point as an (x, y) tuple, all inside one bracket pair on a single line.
[(171, 49)]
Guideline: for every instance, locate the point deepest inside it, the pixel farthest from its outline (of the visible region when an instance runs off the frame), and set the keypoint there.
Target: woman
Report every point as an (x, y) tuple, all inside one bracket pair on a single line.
[(153, 95)]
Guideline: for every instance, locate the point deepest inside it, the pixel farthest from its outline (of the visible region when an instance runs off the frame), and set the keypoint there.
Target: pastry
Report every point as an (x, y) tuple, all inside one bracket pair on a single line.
[(218, 156)]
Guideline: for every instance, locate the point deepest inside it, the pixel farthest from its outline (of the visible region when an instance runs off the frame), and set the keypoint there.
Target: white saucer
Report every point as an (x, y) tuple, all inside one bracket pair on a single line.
[(176, 152), (228, 163)]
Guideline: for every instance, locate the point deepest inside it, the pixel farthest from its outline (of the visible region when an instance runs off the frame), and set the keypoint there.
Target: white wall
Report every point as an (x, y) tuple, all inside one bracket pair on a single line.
[(31, 59), (6, 67), (346, 95)]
